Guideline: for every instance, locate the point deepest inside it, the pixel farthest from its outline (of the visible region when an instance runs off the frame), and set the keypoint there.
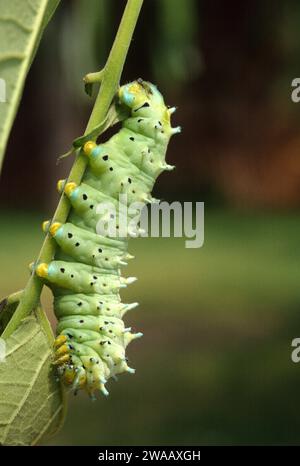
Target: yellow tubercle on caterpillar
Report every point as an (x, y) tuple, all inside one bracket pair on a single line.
[(54, 227), (42, 270), (69, 188), (135, 88), (60, 186), (62, 360), (63, 349), (88, 147), (45, 225), (60, 340), (69, 375)]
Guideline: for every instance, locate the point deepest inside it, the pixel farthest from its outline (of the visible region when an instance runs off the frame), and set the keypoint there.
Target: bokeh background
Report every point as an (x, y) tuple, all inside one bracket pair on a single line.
[(214, 366)]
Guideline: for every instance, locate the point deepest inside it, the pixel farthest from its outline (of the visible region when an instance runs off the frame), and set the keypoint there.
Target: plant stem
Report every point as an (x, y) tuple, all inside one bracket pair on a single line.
[(14, 297), (44, 322), (93, 77), (110, 81)]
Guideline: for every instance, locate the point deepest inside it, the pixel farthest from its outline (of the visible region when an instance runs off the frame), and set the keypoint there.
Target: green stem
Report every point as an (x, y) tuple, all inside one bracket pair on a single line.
[(44, 322), (110, 82), (91, 78), (15, 297)]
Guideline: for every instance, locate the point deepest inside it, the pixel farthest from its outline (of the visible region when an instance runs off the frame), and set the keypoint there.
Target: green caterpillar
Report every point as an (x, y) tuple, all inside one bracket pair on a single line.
[(85, 274)]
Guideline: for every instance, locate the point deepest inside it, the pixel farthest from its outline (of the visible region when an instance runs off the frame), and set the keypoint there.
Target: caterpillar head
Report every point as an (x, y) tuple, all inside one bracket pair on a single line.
[(141, 97)]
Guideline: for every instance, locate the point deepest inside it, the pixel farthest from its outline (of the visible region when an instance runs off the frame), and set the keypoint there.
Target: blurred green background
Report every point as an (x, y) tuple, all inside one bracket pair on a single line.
[(214, 365)]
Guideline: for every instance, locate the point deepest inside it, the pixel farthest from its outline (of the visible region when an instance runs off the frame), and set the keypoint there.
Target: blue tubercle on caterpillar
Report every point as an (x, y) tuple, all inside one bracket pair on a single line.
[(85, 274)]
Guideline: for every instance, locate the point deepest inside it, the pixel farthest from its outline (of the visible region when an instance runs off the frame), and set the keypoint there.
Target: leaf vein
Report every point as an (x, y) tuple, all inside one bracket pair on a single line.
[(27, 392), (17, 22)]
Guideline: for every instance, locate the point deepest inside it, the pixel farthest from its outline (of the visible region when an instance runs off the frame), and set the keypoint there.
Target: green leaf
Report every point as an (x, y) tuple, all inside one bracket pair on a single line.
[(7, 307), (88, 87), (21, 26), (31, 399), (115, 114)]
